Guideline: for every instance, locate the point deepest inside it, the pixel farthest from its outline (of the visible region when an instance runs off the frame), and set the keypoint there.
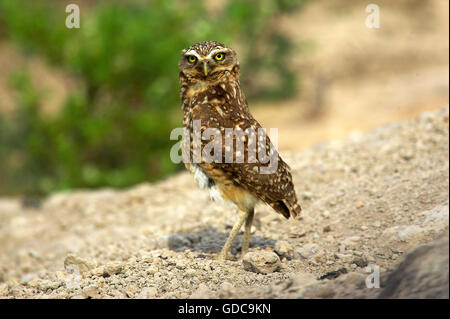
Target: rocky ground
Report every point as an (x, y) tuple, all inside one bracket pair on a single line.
[(368, 201)]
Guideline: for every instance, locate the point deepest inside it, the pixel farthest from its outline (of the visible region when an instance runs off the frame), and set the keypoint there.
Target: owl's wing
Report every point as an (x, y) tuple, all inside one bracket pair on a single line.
[(270, 180)]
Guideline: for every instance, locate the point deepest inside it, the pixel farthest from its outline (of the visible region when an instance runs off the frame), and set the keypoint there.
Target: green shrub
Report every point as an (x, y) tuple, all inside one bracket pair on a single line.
[(114, 130)]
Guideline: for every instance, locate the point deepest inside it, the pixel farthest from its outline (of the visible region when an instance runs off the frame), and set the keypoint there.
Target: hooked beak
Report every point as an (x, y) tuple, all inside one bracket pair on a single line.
[(206, 68)]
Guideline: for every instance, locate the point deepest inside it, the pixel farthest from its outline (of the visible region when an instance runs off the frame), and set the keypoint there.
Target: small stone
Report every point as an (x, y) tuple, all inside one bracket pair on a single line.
[(47, 284), (308, 251), (131, 290), (360, 262), (326, 229), (190, 273), (152, 270), (333, 274), (33, 282), (91, 292), (113, 268), (262, 262), (98, 271), (147, 258), (284, 249), (181, 264), (77, 265), (326, 214)]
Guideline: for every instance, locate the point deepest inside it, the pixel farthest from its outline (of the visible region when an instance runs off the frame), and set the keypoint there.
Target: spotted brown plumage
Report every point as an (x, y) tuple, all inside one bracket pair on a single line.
[(210, 93)]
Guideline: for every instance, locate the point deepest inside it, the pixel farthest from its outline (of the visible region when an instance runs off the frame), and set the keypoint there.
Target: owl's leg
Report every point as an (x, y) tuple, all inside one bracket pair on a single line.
[(248, 226), (242, 216)]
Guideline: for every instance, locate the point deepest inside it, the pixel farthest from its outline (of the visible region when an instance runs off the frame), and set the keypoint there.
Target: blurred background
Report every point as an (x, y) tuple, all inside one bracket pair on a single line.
[(93, 107)]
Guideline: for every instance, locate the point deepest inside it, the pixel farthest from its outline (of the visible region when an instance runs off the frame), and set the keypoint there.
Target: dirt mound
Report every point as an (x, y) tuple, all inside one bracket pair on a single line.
[(367, 201)]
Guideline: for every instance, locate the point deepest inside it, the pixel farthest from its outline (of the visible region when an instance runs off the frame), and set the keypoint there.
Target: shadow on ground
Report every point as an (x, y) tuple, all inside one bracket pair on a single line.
[(209, 240)]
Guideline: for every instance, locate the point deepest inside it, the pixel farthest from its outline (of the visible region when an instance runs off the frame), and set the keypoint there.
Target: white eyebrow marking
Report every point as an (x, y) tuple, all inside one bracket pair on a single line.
[(213, 52), (193, 52)]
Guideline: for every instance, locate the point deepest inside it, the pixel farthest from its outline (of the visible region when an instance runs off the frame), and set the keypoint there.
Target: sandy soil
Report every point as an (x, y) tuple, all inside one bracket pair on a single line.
[(368, 199)]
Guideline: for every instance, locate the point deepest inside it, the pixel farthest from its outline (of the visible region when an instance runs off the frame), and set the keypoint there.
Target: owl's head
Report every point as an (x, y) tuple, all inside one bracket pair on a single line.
[(207, 60)]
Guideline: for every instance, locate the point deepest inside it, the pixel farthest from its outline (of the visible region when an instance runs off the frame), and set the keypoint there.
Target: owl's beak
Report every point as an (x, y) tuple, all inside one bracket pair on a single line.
[(206, 68)]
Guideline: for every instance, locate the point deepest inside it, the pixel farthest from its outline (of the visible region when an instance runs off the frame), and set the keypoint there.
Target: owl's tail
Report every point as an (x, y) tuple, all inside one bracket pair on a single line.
[(295, 210)]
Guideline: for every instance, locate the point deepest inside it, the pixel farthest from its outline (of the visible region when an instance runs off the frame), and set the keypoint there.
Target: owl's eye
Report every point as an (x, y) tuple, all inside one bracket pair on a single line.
[(219, 56), (191, 59)]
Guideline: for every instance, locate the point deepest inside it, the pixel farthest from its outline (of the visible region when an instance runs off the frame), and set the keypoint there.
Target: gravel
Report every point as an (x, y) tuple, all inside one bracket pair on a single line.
[(378, 195)]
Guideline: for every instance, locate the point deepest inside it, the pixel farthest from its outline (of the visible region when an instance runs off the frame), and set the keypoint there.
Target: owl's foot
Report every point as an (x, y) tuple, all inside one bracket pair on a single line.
[(243, 253), (222, 256)]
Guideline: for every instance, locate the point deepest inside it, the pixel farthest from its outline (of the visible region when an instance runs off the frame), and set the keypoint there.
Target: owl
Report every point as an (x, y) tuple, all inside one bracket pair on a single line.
[(212, 98)]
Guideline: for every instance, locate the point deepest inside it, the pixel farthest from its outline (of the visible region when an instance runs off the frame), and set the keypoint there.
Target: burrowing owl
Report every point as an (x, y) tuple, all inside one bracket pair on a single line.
[(211, 95)]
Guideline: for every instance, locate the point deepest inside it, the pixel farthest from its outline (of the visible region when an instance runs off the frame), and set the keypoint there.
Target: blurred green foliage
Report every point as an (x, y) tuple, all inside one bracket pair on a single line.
[(114, 129)]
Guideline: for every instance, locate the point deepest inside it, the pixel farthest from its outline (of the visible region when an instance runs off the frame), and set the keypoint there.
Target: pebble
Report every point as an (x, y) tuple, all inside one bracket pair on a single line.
[(47, 284), (98, 271), (344, 257), (360, 262), (326, 229), (308, 251), (262, 262), (91, 292), (113, 267), (190, 272), (284, 249), (74, 264), (131, 290)]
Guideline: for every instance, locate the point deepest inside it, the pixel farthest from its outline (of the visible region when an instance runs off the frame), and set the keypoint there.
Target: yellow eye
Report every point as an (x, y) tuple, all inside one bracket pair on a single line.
[(191, 59), (219, 56)]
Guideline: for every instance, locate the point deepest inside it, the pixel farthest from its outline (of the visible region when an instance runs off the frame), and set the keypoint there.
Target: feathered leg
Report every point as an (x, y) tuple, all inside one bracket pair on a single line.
[(248, 226)]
